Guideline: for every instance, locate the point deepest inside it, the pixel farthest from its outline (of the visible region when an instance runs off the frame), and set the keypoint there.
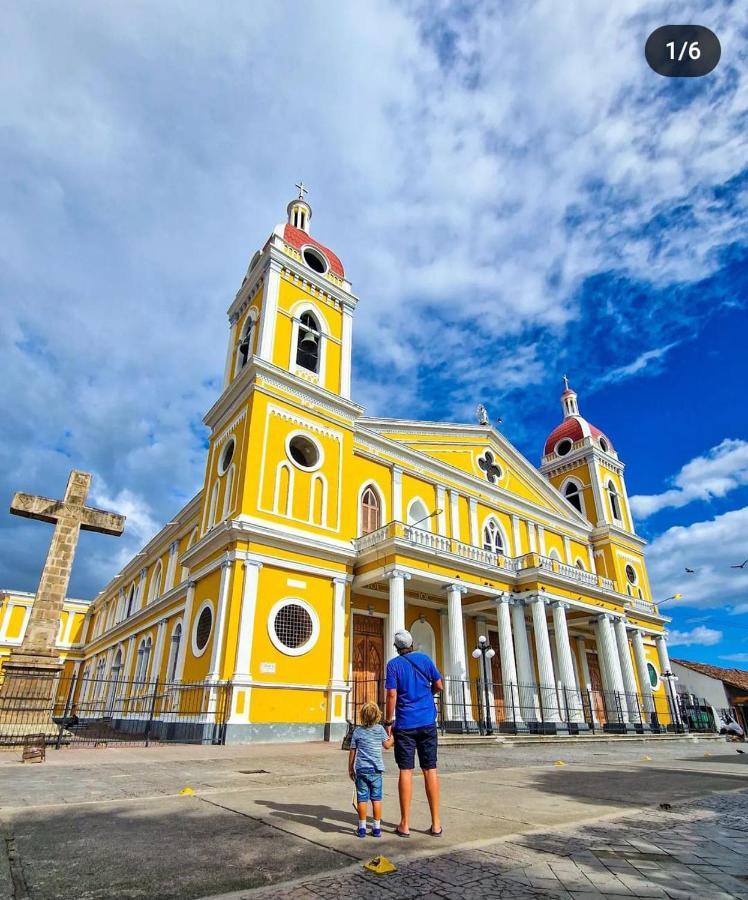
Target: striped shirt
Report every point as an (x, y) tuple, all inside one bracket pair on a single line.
[(368, 744)]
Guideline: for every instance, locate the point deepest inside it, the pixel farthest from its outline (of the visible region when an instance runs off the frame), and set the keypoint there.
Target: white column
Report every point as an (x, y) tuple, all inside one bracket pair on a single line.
[(584, 675), (269, 312), (610, 666), (565, 662), (345, 352), (459, 689), (665, 669), (473, 507), (396, 617), (645, 687), (531, 537), (627, 669), (338, 686), (186, 630), (662, 654), (516, 540), (546, 678), (242, 666), (454, 514), (158, 651), (441, 503), (214, 673), (525, 672), (397, 495), (508, 662)]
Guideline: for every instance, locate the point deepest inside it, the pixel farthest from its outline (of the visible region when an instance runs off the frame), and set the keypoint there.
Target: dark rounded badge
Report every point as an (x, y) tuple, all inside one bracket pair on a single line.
[(682, 51)]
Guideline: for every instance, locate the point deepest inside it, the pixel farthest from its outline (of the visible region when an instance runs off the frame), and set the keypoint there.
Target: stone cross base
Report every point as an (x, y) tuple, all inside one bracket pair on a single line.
[(29, 697)]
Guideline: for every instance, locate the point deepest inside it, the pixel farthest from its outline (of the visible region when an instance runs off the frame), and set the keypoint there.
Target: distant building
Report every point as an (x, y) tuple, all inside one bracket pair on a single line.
[(725, 689)]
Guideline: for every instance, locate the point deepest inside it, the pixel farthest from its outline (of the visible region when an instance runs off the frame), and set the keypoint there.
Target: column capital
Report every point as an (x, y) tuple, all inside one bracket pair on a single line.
[(227, 563), (455, 586), (498, 599), (661, 637), (191, 585), (174, 546), (396, 573), (252, 562), (342, 579), (546, 601), (143, 572), (560, 604), (604, 617)]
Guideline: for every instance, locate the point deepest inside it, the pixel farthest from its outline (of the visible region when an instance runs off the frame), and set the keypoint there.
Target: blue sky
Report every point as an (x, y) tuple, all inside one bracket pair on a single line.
[(514, 193)]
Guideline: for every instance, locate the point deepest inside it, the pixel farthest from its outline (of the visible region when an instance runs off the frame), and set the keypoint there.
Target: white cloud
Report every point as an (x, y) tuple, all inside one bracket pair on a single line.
[(464, 164), (709, 548), (648, 360), (715, 474), (705, 637), (736, 657)]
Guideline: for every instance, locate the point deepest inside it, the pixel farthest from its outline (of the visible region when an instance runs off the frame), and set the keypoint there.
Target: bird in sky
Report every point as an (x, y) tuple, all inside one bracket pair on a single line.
[(690, 571), (741, 566)]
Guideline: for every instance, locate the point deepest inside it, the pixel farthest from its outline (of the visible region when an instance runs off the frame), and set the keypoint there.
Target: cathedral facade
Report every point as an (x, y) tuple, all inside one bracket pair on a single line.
[(320, 531)]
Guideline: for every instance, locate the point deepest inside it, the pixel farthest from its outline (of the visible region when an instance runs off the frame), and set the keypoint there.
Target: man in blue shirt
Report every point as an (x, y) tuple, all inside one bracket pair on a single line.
[(411, 682)]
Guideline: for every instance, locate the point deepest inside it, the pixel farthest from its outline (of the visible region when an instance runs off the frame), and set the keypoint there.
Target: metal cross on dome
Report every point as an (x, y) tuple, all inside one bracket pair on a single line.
[(302, 190), (486, 462)]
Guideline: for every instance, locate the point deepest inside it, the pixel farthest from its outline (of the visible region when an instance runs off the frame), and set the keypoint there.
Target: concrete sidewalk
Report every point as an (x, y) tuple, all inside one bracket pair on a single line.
[(112, 823)]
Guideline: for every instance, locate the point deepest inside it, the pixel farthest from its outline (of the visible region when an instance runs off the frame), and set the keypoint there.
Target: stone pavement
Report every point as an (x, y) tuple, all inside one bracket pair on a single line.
[(699, 849), (98, 824)]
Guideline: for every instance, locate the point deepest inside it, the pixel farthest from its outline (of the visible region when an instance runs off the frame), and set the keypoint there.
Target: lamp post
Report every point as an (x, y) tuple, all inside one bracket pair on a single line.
[(485, 652)]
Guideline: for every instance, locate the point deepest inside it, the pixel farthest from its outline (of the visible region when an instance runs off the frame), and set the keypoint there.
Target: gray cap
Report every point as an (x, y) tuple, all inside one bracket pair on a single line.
[(403, 639)]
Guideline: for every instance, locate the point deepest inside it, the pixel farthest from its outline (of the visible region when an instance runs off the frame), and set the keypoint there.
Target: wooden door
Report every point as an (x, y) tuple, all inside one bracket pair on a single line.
[(596, 683), (368, 662)]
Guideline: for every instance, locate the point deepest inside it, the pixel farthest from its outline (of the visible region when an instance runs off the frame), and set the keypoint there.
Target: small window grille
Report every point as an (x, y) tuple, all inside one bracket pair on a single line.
[(293, 626), (204, 625)]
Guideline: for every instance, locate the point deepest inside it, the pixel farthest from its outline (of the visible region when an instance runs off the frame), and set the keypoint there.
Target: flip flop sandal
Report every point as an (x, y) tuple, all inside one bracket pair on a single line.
[(438, 833), (404, 834)]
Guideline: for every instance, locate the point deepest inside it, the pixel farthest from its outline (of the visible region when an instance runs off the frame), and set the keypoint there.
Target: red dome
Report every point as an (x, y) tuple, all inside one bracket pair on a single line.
[(298, 239), (575, 428)]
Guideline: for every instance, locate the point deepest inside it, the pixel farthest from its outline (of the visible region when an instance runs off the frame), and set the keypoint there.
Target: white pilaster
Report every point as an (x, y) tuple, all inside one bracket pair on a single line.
[(600, 505), (532, 537), (243, 664), (567, 550), (591, 558), (454, 514), (565, 663), (446, 657), (525, 672), (541, 540), (186, 629), (396, 617), (516, 540), (337, 686), (171, 566), (230, 351), (640, 657), (397, 494), (441, 503), (474, 536), (627, 669), (158, 651), (214, 673), (269, 312), (546, 678), (508, 661), (345, 353)]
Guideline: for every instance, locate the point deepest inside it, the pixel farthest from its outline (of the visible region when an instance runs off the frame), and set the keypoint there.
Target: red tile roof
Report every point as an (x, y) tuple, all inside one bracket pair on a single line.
[(571, 428), (736, 677), (298, 239)]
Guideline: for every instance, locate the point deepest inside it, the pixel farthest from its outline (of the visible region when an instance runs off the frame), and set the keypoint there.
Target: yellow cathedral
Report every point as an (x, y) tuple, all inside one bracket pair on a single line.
[(319, 532)]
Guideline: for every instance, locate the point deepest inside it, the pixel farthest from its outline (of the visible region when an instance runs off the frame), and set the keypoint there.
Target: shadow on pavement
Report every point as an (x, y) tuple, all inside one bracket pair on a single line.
[(321, 818)]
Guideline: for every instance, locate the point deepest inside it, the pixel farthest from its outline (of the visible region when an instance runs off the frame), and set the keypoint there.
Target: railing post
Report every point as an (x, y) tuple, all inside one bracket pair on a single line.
[(566, 706), (150, 714), (514, 711), (66, 712), (591, 723)]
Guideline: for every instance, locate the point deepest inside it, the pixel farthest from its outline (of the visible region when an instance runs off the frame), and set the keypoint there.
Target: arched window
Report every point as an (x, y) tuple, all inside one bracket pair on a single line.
[(573, 495), (228, 487), (100, 669), (176, 640), (554, 554), (580, 565), (492, 538), (308, 343), (418, 515), (244, 347), (615, 504), (371, 511), (318, 500), (283, 497), (131, 600), (213, 504), (144, 655), (154, 588)]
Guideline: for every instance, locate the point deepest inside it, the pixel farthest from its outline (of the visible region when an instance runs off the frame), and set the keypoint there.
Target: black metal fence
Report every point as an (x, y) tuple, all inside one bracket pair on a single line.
[(474, 707), (73, 711)]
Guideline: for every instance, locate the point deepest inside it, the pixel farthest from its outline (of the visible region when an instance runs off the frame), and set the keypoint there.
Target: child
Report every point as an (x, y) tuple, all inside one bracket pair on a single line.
[(365, 766)]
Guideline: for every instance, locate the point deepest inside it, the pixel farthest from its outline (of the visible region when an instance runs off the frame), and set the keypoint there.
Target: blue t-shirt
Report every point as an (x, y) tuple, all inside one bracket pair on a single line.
[(415, 700), (368, 744)]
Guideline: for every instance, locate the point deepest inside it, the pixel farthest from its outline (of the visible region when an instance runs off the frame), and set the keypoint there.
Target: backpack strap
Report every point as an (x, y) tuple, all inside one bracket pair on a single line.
[(418, 669)]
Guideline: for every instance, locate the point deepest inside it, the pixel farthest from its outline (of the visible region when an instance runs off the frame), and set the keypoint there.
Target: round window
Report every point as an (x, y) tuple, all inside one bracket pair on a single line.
[(654, 678), (203, 627), (315, 260), (226, 456), (293, 627), (603, 445), (304, 451), (631, 574), (563, 447)]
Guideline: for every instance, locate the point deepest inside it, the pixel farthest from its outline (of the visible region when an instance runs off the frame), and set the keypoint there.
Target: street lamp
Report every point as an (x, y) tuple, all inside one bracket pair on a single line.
[(485, 652)]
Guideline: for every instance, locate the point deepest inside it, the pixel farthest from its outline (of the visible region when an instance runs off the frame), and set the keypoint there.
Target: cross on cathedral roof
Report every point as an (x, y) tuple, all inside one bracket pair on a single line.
[(302, 190)]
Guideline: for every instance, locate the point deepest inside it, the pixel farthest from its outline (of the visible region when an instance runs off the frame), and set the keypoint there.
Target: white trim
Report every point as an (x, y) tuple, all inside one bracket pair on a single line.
[(277, 643), (454, 513), (221, 469), (269, 306), (345, 354), (320, 450), (374, 485), (580, 493), (577, 562), (228, 489), (296, 312), (155, 585), (177, 624), (283, 465), (426, 523), (315, 252), (397, 493), (321, 479), (506, 549), (206, 604)]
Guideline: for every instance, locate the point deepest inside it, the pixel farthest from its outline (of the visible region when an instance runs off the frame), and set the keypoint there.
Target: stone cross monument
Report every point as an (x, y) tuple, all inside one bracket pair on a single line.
[(37, 653)]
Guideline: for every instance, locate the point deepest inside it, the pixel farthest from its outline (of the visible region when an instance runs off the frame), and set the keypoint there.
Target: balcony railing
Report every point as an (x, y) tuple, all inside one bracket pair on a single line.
[(419, 537)]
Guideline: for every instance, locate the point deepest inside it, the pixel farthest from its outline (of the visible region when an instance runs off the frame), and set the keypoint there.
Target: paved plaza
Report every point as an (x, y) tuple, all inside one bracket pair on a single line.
[(545, 820)]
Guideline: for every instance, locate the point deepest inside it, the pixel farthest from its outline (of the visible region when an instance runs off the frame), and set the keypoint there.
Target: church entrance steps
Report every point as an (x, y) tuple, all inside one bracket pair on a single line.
[(477, 740)]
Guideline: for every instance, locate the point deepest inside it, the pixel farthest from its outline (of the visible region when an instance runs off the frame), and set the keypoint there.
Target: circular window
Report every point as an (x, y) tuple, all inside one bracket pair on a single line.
[(631, 574), (305, 452), (603, 445), (654, 678), (563, 447), (228, 454), (293, 627), (203, 627), (315, 260)]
